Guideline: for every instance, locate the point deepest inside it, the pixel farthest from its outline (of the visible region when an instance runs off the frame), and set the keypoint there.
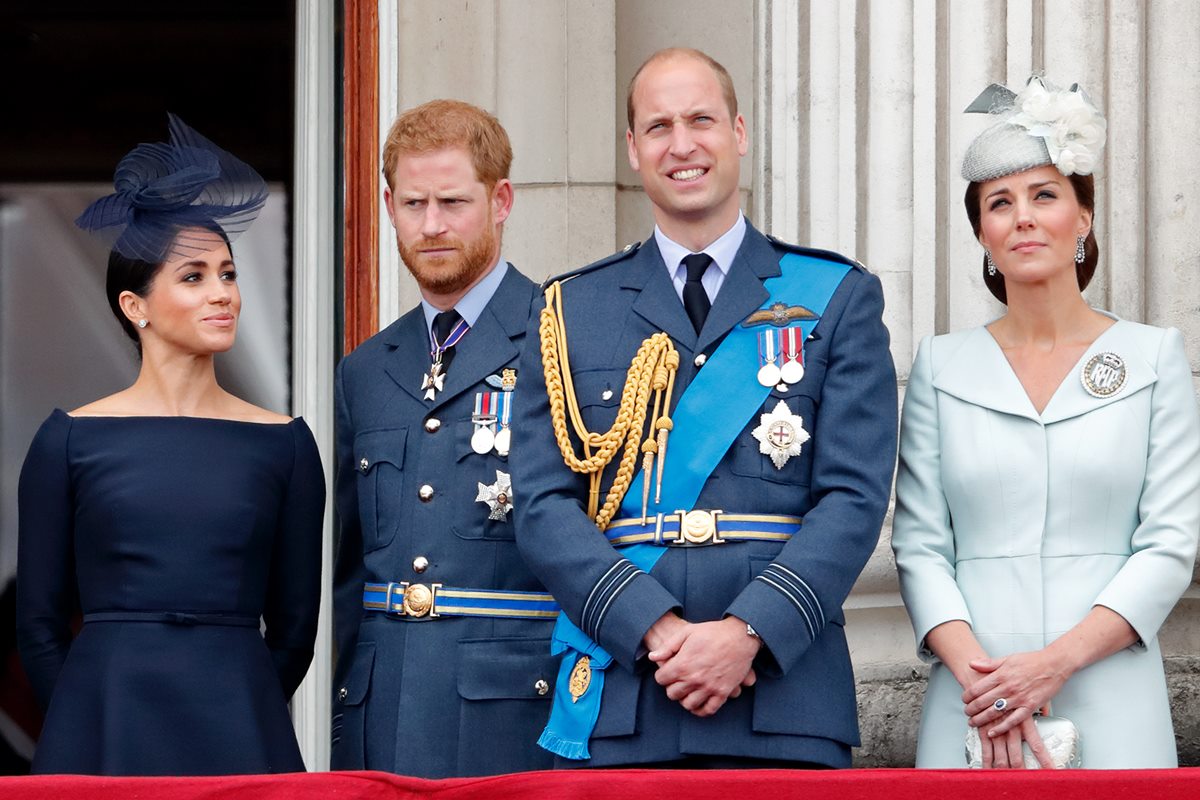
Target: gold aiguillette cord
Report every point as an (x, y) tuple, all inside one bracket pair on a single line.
[(651, 376)]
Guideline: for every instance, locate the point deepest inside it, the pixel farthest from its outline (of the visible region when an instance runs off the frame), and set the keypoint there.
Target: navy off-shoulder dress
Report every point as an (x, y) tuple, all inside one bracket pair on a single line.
[(175, 537)]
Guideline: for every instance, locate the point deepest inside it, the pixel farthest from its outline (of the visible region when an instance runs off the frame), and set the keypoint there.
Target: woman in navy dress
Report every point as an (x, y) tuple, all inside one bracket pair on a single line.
[(183, 522)]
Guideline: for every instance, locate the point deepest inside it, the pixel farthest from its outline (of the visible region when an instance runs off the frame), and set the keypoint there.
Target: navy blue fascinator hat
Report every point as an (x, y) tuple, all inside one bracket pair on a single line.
[(165, 190)]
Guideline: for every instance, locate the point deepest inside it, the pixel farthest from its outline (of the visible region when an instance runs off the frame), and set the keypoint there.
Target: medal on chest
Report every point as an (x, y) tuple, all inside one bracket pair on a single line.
[(792, 352), (780, 434), (768, 357), (781, 357), (497, 496), (492, 417), (484, 419), (504, 421)]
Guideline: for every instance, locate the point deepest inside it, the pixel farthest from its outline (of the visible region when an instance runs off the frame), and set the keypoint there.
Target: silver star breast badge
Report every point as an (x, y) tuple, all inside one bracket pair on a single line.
[(780, 434), (498, 496)]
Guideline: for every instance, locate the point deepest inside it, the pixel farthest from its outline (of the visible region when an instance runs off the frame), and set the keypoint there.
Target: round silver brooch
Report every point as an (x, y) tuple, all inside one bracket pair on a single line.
[(1103, 375)]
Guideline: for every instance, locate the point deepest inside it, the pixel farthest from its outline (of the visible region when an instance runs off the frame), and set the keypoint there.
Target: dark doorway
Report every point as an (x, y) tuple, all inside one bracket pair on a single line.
[(85, 81)]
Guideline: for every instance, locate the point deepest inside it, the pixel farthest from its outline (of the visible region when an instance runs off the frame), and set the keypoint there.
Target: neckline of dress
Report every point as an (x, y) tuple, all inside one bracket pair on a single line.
[(173, 417), (1065, 379)]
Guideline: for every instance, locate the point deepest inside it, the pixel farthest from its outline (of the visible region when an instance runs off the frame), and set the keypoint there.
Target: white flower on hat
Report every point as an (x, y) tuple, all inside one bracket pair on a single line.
[(1072, 128)]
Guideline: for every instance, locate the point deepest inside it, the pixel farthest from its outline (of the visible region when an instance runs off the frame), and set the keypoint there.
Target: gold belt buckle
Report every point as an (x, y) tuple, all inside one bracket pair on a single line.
[(698, 526), (419, 600)]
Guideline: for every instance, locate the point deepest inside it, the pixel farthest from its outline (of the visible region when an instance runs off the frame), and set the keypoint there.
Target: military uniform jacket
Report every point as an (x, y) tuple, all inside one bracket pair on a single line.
[(803, 707), (452, 695)]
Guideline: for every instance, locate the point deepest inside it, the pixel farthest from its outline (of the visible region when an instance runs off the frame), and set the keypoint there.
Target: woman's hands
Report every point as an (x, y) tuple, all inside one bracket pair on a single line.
[(955, 644), (1005, 751), (1028, 681), (1025, 681)]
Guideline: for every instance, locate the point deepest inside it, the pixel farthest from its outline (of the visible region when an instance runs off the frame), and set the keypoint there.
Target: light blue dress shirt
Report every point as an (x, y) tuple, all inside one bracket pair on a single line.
[(721, 252), (473, 302)]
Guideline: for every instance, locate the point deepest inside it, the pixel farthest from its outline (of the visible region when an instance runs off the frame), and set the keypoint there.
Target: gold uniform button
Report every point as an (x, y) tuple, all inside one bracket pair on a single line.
[(363, 464), (433, 425), (425, 493), (343, 693), (541, 687), (420, 564), (699, 360)]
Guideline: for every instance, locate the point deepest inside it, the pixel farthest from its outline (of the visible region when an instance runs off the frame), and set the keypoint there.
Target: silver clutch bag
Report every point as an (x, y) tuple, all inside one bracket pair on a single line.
[(1059, 734)]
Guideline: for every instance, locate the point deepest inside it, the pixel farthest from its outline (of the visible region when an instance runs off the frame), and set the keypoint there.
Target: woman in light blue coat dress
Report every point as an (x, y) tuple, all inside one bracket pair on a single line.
[(1048, 498)]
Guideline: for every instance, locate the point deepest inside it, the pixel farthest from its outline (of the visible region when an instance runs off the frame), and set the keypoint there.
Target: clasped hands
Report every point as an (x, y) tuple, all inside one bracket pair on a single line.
[(702, 664), (1026, 682)]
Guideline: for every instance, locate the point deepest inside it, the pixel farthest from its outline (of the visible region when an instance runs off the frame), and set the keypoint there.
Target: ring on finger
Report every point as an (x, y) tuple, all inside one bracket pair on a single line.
[(1000, 704)]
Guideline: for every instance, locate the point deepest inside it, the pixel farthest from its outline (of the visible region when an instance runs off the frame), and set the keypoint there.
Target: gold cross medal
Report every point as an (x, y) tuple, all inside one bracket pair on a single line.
[(780, 434), (497, 496)]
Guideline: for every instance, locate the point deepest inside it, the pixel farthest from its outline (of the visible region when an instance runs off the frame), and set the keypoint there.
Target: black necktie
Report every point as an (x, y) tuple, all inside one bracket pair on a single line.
[(443, 325), (695, 299)]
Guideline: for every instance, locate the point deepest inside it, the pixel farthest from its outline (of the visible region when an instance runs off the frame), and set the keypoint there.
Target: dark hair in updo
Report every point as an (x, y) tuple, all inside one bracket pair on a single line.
[(134, 275), (1085, 194)]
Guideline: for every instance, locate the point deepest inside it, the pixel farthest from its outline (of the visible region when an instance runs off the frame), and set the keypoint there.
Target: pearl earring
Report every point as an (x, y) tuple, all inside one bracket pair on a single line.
[(142, 323)]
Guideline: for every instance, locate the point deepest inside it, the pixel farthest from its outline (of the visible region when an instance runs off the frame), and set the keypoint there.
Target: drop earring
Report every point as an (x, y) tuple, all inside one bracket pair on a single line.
[(1080, 252), (991, 265)]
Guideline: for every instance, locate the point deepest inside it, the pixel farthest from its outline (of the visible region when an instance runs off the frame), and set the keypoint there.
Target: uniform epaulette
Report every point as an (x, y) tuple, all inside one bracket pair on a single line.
[(621, 254), (816, 252)]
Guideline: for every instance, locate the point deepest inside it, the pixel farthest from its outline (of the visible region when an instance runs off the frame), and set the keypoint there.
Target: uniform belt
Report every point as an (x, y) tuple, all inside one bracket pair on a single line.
[(419, 600), (173, 618), (700, 527)]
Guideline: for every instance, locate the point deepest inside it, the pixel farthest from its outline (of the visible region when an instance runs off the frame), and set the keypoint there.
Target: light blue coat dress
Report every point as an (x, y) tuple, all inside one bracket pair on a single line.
[(1020, 523)]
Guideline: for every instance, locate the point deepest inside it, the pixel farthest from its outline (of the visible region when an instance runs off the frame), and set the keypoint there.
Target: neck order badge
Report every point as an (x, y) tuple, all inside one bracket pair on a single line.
[(448, 329)]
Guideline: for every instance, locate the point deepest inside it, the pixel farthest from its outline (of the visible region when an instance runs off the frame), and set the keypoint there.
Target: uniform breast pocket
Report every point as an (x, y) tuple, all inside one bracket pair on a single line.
[(483, 494), (785, 456), (599, 396), (379, 458)]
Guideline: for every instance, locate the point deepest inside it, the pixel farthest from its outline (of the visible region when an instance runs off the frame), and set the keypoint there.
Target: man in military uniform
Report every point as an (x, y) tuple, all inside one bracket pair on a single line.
[(703, 618), (442, 631)]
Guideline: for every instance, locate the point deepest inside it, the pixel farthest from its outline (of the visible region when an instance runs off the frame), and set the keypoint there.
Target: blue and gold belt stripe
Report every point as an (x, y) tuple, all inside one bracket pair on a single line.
[(664, 529), (437, 600)]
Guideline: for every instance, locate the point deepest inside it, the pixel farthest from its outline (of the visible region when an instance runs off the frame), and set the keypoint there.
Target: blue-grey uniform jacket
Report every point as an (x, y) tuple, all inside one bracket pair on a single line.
[(803, 707), (432, 697)]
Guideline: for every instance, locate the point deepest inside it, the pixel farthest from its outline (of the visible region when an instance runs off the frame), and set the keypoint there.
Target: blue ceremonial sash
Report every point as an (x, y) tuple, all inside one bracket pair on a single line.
[(707, 420)]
